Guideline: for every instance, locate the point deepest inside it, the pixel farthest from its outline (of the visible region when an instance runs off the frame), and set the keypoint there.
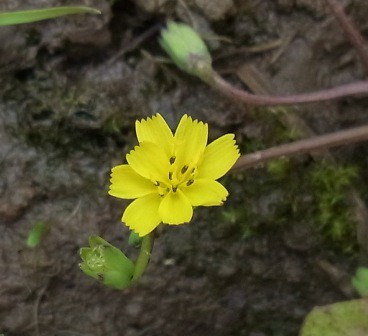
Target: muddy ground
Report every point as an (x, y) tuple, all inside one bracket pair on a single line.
[(71, 90)]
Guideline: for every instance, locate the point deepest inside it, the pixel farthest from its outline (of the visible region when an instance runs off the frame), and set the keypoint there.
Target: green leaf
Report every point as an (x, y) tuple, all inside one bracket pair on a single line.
[(35, 235), (360, 281), (339, 319), (19, 17)]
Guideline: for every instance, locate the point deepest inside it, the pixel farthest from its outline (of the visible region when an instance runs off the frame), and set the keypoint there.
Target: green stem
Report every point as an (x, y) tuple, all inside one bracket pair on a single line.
[(143, 257)]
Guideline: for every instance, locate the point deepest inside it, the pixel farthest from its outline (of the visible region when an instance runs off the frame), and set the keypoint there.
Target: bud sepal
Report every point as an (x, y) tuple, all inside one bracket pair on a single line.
[(106, 263)]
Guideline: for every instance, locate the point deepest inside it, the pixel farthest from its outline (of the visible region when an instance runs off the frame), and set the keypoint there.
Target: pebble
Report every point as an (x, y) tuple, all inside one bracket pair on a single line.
[(151, 6)]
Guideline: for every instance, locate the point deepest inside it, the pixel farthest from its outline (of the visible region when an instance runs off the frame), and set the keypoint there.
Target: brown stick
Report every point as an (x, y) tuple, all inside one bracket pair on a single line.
[(225, 87), (351, 31), (321, 142)]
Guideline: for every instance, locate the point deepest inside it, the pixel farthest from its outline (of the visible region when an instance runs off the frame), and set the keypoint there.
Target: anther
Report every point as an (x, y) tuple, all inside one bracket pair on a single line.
[(172, 159), (157, 183), (184, 169), (190, 182), (170, 175), (174, 189)]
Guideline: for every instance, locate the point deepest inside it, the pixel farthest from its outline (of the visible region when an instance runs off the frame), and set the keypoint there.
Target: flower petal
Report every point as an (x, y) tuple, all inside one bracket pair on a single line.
[(219, 156), (126, 183), (190, 141), (175, 208), (156, 130), (149, 161), (142, 214), (206, 193)]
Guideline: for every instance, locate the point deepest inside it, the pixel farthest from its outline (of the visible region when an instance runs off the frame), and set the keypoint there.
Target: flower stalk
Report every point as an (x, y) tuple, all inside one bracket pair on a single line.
[(143, 257), (342, 91)]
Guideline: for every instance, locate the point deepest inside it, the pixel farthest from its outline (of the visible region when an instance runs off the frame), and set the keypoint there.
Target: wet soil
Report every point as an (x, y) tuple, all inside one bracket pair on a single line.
[(71, 91)]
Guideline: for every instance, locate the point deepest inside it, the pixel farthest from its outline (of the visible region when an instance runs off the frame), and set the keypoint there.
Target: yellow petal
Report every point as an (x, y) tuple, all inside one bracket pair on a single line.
[(126, 183), (149, 161), (156, 130), (190, 141), (219, 156), (206, 193), (175, 208), (142, 214)]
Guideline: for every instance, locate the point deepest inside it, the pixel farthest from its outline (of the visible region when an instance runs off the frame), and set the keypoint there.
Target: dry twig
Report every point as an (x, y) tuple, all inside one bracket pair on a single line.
[(351, 31)]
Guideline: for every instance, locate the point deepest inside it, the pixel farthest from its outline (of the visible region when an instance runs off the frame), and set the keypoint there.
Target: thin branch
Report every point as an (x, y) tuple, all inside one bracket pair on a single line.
[(351, 31), (353, 89), (321, 142), (135, 43)]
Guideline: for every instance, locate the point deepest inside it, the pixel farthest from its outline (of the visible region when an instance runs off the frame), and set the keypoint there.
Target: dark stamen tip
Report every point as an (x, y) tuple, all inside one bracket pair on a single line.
[(184, 169), (190, 182)]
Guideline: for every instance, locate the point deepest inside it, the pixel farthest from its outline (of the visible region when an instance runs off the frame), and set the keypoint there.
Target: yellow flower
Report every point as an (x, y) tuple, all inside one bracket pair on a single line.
[(168, 174)]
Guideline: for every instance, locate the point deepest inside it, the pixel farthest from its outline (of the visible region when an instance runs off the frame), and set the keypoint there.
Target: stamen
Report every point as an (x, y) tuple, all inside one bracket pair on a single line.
[(172, 159), (184, 169), (174, 189), (157, 183), (190, 182), (170, 176)]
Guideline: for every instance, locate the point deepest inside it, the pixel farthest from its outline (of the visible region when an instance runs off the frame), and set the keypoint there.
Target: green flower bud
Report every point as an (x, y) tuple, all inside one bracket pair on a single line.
[(360, 281), (187, 49), (106, 263)]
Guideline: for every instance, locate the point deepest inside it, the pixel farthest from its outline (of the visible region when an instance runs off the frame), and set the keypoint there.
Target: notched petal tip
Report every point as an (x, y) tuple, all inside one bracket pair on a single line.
[(141, 234), (219, 156), (155, 129)]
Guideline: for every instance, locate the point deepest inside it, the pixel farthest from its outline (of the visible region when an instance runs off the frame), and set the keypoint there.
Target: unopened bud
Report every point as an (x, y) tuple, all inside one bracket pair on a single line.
[(106, 263), (187, 49)]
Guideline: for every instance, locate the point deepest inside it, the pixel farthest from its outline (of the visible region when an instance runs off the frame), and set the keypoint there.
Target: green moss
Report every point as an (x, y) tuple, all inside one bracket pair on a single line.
[(293, 190), (330, 184)]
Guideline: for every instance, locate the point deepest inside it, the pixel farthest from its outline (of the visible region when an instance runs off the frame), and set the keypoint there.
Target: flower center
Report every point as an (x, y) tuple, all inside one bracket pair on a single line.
[(179, 176), (96, 259)]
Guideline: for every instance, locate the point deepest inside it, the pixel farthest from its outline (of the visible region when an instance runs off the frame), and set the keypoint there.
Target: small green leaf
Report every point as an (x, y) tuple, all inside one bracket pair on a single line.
[(339, 319), (27, 16), (134, 239), (360, 281), (35, 235)]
